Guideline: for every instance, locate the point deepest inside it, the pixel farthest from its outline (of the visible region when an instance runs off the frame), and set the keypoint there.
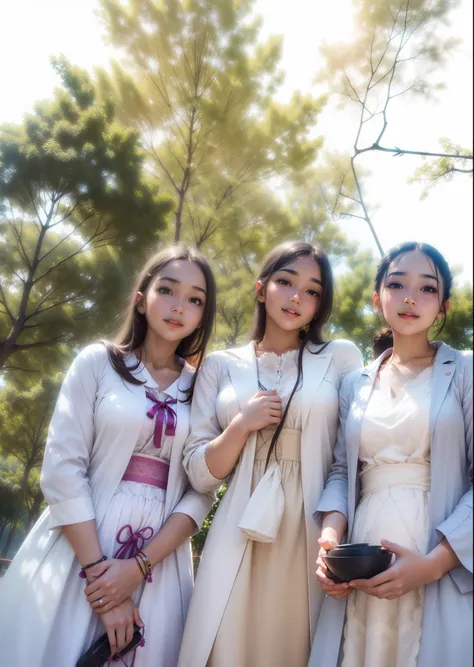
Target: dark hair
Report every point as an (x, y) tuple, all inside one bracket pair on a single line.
[(382, 341), (134, 327), (279, 257), (439, 264)]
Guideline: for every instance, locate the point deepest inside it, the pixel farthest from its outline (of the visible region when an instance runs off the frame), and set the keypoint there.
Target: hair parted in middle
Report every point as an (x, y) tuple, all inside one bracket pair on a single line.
[(279, 257), (135, 326)]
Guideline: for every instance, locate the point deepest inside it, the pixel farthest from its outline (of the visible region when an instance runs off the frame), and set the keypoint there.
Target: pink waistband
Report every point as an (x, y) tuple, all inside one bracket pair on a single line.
[(147, 471)]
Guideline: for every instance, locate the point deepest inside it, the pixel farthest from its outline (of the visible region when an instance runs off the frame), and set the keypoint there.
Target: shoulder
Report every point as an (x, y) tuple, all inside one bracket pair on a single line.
[(346, 355), (91, 363), (349, 381)]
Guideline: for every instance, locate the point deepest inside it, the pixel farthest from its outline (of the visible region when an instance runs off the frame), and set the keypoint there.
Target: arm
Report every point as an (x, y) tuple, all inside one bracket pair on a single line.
[(335, 495), (456, 529), (210, 455)]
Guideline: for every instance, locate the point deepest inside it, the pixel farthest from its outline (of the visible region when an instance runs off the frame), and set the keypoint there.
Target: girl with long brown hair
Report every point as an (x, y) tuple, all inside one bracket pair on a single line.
[(264, 419), (120, 508)]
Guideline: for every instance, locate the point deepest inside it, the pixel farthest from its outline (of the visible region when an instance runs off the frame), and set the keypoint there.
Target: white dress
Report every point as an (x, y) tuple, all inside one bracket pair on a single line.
[(140, 506), (266, 620), (395, 482)]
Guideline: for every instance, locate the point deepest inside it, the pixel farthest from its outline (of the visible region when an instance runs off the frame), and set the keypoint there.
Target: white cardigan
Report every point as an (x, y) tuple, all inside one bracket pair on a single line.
[(93, 432), (225, 542)]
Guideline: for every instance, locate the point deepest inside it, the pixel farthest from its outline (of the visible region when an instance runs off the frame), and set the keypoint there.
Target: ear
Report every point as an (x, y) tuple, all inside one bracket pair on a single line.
[(447, 306), (260, 291), (139, 302), (376, 302)]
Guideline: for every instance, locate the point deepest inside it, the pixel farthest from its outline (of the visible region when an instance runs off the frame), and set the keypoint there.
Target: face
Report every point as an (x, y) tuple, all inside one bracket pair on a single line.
[(174, 301), (411, 294), (292, 294)]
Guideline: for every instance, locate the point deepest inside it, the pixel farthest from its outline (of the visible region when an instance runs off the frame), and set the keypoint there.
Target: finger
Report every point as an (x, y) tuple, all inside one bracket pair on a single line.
[(381, 578), (129, 633), (137, 618), (95, 596), (120, 632), (112, 641), (92, 588)]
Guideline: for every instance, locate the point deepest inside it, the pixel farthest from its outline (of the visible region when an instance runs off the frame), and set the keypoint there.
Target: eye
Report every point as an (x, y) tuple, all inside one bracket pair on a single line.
[(314, 293), (283, 281), (164, 290), (196, 301), (429, 289), (394, 285)]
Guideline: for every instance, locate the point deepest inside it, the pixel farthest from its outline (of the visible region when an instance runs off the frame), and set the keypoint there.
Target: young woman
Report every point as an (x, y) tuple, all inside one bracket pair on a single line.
[(403, 472), (114, 482), (265, 420)]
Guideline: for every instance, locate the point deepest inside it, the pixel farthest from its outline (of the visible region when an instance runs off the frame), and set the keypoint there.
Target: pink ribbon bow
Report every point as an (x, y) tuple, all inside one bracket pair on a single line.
[(133, 543), (162, 410)]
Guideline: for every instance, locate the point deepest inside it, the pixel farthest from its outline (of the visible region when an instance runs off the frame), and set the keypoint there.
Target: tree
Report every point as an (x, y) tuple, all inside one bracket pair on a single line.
[(397, 47), (24, 422), (72, 197), (199, 87)]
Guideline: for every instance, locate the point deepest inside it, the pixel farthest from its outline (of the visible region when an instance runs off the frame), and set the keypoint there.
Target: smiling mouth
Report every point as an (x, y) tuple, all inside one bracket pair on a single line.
[(290, 311), (408, 316)]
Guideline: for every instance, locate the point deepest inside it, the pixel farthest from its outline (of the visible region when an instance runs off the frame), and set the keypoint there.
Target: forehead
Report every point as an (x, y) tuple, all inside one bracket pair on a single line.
[(305, 266), (414, 262), (185, 271)]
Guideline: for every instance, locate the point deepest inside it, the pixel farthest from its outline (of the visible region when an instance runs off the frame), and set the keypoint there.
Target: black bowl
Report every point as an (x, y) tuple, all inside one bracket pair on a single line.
[(348, 568), (356, 550)]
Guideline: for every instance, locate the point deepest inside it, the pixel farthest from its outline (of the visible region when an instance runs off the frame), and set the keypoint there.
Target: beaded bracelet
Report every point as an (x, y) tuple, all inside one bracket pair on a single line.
[(82, 573), (144, 558)]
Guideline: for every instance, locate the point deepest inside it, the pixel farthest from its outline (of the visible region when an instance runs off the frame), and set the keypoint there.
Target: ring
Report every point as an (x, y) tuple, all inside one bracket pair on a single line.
[(101, 602)]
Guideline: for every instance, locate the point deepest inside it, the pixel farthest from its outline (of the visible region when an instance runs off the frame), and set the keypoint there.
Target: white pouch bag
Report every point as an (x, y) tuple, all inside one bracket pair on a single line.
[(262, 516)]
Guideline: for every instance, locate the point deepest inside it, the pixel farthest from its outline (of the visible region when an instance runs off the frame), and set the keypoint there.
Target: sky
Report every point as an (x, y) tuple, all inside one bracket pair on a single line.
[(33, 31)]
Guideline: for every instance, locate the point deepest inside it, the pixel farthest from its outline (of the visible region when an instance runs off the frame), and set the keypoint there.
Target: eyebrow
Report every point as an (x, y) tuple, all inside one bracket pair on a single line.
[(178, 282), (403, 273), (295, 273)]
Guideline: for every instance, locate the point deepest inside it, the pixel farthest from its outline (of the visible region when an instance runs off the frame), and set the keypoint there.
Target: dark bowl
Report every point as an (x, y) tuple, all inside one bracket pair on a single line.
[(348, 568), (363, 550), (352, 546)]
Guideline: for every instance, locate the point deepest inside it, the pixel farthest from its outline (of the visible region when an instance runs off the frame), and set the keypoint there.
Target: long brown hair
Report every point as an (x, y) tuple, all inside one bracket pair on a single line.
[(134, 328), (279, 257)]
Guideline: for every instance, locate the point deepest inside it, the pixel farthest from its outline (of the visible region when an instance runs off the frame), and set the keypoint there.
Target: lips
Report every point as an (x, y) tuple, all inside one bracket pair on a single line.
[(291, 311), (174, 323), (408, 315)]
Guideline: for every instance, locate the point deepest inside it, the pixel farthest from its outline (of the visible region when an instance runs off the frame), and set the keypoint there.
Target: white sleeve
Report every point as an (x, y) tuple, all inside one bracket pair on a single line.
[(64, 475)]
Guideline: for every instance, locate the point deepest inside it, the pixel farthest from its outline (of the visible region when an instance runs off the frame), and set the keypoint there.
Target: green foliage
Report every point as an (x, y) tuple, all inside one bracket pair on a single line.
[(199, 539), (444, 168), (73, 202)]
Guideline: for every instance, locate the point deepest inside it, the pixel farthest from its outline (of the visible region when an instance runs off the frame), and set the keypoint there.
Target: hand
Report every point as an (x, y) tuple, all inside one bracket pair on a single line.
[(262, 410), (118, 624), (409, 571), (336, 591), (117, 582)]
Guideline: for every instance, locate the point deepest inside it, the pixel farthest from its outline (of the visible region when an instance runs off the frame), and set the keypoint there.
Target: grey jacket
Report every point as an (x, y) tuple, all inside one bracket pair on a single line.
[(448, 607)]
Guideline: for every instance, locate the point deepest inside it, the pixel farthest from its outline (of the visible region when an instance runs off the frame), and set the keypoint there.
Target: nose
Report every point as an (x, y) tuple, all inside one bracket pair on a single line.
[(296, 297), (409, 301), (177, 308)]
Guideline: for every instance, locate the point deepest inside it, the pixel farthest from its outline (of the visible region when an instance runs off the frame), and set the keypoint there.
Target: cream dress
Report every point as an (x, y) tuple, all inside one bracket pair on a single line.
[(142, 507), (395, 481), (265, 623)]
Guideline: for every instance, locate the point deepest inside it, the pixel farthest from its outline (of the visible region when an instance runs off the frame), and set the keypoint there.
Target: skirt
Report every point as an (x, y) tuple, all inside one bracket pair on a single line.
[(159, 602), (394, 506), (266, 620)]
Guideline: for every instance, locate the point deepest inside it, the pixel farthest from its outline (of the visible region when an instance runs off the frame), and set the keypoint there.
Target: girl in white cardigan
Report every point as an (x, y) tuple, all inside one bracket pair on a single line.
[(120, 508), (403, 472), (264, 418)]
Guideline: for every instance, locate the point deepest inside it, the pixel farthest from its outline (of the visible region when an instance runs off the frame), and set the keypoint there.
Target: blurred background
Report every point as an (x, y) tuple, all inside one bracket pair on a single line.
[(231, 125)]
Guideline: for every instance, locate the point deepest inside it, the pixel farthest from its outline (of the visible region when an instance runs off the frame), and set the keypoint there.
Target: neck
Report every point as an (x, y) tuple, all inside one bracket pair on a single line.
[(406, 348), (158, 353), (278, 340)]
